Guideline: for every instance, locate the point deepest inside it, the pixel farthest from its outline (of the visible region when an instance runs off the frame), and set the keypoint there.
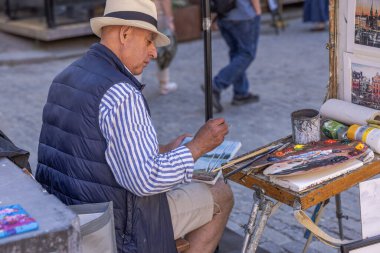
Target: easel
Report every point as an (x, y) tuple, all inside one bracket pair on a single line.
[(266, 193), (254, 232)]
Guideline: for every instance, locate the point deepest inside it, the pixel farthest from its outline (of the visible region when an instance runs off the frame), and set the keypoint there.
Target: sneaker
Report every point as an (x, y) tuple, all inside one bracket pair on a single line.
[(247, 99), (215, 99), (318, 27), (168, 88)]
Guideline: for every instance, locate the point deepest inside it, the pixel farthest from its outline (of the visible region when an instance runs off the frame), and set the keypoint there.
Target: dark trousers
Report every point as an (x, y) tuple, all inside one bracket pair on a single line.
[(241, 37)]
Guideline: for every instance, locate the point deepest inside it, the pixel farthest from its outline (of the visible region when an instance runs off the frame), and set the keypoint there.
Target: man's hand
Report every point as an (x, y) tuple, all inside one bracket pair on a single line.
[(173, 144), (208, 137)]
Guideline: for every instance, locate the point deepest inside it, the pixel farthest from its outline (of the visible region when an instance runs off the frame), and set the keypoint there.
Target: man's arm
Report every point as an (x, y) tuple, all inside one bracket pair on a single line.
[(256, 6), (132, 147), (173, 144)]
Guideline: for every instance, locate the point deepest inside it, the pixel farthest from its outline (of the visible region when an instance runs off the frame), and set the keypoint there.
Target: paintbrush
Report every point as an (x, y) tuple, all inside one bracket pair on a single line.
[(218, 159), (263, 164), (209, 162), (246, 157), (267, 152)]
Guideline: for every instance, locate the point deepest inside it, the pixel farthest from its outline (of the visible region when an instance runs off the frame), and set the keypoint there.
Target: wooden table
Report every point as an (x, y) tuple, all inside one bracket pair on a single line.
[(298, 200)]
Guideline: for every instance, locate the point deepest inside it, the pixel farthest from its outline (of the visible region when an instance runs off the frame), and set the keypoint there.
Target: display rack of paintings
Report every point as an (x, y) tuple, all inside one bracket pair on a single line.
[(358, 52)]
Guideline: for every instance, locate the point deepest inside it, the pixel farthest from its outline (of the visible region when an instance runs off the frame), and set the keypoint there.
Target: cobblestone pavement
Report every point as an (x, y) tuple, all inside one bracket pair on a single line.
[(290, 73)]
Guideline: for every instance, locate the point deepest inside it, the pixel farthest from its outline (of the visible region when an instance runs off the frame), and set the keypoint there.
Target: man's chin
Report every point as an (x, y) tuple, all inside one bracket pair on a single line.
[(137, 72)]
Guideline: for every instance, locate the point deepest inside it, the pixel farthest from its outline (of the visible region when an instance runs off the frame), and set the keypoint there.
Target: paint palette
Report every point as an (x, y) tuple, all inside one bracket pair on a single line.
[(322, 155)]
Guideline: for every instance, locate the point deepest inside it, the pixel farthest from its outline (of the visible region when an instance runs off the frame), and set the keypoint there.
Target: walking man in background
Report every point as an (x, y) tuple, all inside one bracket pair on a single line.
[(240, 29)]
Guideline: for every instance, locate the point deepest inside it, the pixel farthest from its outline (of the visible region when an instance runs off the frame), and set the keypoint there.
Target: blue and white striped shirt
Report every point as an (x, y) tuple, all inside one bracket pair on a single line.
[(132, 147)]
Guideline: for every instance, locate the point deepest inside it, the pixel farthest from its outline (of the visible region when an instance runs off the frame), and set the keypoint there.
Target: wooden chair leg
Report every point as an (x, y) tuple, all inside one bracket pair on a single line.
[(182, 245)]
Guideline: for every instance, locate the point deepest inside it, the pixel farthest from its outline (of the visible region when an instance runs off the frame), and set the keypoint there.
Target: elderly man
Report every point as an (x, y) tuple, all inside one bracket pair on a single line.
[(98, 143)]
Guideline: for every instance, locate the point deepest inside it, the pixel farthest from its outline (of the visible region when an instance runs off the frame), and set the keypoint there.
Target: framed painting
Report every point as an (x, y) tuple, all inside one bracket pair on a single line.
[(362, 80), (363, 26)]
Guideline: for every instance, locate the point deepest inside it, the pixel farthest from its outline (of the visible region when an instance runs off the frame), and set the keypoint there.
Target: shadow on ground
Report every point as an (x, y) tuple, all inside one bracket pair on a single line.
[(232, 243)]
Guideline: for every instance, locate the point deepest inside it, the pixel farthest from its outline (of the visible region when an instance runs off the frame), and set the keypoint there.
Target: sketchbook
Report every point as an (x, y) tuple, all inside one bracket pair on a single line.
[(212, 160), (299, 183), (14, 220)]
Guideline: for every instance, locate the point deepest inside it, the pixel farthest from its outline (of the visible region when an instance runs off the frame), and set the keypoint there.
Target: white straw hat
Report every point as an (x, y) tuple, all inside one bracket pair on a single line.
[(137, 13)]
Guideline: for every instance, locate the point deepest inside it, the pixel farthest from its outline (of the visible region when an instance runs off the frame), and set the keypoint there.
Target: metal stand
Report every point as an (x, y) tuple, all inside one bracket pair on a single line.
[(339, 215), (8, 9), (253, 231), (206, 27)]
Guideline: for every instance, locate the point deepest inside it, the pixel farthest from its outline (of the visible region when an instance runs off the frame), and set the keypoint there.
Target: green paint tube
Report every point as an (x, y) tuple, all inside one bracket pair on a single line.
[(334, 130)]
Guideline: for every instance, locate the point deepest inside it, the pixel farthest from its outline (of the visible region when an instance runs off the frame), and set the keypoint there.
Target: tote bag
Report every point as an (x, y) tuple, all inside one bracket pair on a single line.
[(96, 227)]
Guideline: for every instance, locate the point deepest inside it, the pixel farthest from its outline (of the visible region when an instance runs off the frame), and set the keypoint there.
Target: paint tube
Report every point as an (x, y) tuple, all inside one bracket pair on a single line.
[(334, 130), (369, 135)]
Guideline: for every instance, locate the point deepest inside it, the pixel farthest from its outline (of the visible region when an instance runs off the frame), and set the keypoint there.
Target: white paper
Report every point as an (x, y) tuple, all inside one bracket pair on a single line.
[(370, 206), (348, 113)]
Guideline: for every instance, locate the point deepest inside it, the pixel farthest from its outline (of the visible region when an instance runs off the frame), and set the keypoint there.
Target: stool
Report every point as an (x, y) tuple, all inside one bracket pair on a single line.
[(182, 245)]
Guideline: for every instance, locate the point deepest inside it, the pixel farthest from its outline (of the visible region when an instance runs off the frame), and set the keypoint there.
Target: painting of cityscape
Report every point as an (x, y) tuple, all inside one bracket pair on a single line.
[(365, 85), (367, 23)]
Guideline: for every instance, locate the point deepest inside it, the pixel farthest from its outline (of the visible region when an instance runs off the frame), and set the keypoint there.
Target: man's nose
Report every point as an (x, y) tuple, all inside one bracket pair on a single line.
[(153, 52)]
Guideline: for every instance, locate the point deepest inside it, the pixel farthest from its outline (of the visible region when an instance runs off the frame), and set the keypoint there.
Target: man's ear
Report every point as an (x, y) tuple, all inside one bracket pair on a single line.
[(124, 33)]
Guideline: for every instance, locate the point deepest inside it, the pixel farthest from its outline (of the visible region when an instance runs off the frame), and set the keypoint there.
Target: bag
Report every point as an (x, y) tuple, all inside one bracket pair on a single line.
[(18, 156), (222, 7), (97, 227), (166, 54)]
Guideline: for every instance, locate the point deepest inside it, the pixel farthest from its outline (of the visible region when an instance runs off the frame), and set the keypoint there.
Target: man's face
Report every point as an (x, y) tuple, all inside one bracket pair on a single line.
[(138, 49)]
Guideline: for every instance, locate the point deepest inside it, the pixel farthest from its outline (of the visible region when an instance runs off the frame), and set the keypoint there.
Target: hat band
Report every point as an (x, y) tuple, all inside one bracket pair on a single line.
[(133, 15)]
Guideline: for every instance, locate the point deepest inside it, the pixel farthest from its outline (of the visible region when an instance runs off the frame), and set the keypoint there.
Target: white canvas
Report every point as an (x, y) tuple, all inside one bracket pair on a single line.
[(370, 206)]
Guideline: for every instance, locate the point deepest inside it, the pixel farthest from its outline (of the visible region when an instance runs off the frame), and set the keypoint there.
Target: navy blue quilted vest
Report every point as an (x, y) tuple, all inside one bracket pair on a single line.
[(71, 154)]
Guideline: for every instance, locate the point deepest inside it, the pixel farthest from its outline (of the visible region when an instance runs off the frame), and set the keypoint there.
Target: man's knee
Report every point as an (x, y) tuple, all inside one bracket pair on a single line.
[(245, 58), (223, 196)]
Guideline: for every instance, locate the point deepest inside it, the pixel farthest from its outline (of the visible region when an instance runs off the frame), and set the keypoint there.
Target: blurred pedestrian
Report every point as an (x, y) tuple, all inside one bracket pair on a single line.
[(317, 12), (240, 29), (165, 54)]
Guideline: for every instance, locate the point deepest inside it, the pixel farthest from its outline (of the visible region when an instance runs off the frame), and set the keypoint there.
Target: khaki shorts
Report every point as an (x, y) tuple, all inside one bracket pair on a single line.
[(191, 206)]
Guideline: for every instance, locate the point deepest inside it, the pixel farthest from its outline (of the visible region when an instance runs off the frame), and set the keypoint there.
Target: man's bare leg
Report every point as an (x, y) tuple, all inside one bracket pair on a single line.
[(206, 238)]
